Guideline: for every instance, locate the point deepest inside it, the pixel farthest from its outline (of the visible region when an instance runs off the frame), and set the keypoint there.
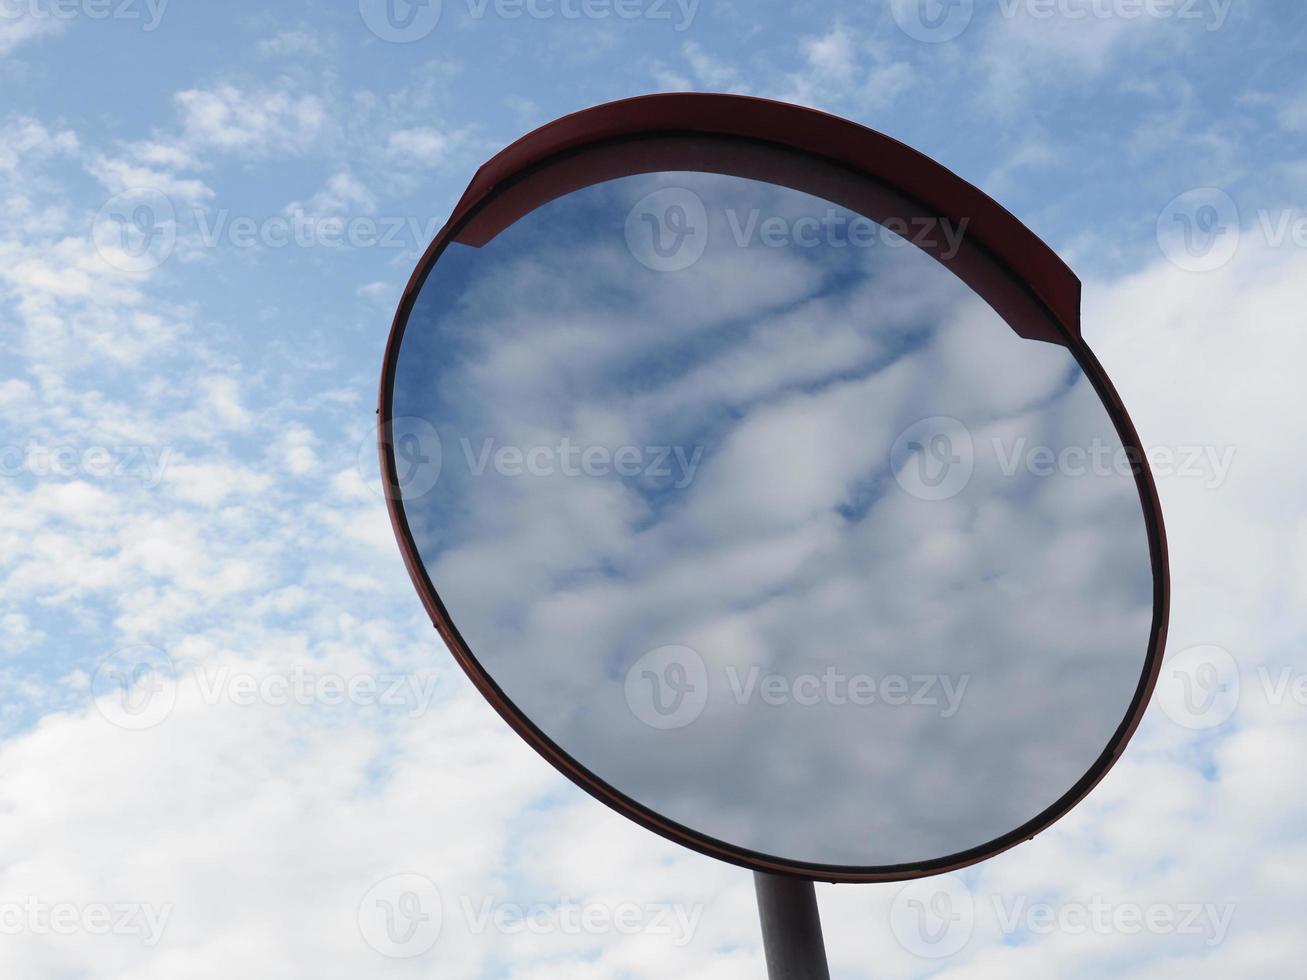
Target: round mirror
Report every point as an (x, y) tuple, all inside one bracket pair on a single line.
[(771, 507)]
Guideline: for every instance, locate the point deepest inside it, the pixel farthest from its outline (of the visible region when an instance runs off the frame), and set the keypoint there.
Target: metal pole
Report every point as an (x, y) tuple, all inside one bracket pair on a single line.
[(791, 928)]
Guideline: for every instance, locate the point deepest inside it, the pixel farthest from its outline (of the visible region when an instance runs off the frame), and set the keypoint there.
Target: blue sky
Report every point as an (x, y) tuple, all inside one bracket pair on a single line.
[(188, 472)]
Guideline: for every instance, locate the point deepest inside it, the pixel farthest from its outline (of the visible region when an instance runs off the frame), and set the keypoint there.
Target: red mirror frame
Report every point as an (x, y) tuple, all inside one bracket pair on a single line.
[(1003, 261)]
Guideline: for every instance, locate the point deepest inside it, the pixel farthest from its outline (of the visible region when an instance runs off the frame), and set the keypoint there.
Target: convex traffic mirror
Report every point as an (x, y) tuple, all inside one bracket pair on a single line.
[(753, 467)]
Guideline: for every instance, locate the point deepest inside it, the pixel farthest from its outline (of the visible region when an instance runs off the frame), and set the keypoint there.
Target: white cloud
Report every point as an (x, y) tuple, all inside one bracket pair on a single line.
[(24, 137), (21, 24), (295, 450), (1292, 112), (249, 121), (17, 633), (343, 194), (120, 174), (845, 65), (422, 143), (222, 395), (1026, 47)]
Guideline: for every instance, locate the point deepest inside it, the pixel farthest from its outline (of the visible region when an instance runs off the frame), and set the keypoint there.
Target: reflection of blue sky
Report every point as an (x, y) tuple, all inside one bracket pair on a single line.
[(793, 548)]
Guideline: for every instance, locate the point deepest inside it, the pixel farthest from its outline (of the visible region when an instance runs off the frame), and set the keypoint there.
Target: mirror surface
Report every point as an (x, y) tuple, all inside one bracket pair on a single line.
[(767, 520)]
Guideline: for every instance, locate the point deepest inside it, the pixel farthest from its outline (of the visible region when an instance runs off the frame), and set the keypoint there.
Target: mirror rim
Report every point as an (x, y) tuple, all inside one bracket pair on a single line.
[(1018, 258)]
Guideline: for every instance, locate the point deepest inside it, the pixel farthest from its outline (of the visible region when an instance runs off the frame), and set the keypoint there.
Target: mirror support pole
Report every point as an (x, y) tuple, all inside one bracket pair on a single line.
[(791, 928)]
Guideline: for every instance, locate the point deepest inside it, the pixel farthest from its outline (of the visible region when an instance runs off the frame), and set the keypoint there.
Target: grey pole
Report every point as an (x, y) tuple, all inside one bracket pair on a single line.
[(791, 928)]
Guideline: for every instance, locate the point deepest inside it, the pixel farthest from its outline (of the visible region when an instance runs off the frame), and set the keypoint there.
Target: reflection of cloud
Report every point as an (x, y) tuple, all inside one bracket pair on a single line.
[(793, 550)]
